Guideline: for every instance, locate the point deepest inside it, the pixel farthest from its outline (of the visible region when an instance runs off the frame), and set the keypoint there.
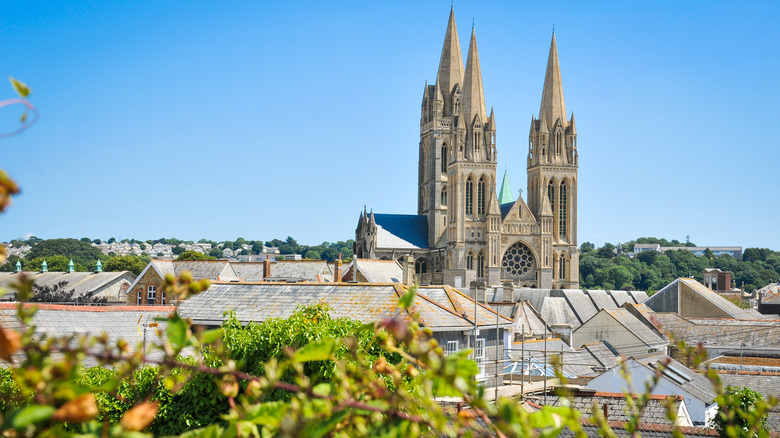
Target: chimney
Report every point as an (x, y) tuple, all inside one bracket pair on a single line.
[(509, 291), (337, 270), (267, 267), (408, 269)]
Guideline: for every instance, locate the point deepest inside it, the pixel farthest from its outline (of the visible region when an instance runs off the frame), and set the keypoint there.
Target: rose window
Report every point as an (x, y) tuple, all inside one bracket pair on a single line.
[(518, 261)]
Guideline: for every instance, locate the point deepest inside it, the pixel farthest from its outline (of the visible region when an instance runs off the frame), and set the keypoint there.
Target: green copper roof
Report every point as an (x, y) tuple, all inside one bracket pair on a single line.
[(505, 197), (44, 266), (70, 266), (18, 266), (98, 267)]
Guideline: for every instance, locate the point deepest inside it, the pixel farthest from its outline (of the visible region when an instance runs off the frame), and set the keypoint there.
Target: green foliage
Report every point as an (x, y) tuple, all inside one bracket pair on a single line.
[(193, 255), (82, 253), (742, 412), (649, 270), (57, 263), (132, 263)]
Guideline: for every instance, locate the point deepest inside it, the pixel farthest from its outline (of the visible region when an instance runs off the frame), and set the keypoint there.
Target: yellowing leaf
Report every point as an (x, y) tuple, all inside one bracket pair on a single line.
[(10, 341), (139, 417), (79, 410), (21, 88)]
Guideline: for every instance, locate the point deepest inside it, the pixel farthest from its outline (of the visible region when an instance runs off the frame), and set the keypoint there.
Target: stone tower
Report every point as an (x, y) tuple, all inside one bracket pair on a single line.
[(552, 178), (464, 230)]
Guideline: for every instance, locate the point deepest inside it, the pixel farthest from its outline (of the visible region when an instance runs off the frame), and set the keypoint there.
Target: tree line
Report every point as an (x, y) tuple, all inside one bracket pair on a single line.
[(59, 252), (610, 267)]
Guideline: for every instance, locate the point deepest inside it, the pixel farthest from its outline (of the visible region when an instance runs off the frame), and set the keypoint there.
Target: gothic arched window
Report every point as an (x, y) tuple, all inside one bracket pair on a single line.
[(444, 158), (444, 195), (420, 266), (470, 260), (551, 194), (481, 265), (562, 231), (469, 196), (562, 268), (481, 196)]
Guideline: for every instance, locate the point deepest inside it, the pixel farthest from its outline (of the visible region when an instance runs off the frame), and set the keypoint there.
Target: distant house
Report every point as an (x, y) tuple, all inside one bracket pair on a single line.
[(448, 313), (148, 287), (676, 380), (110, 285), (622, 331)]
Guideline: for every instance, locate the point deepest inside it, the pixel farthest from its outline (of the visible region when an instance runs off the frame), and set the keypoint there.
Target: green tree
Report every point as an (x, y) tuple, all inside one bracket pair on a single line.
[(193, 255), (56, 263), (742, 412), (586, 247), (216, 253), (130, 263), (81, 252)]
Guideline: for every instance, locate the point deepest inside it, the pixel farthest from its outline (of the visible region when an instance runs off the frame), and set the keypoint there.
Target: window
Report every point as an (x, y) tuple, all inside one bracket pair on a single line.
[(551, 194), (470, 261), (139, 298), (479, 355), (444, 195), (562, 212), (444, 158), (420, 266), (562, 268), (469, 196), (151, 294), (452, 347), (481, 196), (163, 298), (481, 265)]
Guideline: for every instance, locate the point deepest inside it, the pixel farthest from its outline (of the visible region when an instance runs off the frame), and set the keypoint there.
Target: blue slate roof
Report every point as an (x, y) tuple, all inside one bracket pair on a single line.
[(410, 228), (505, 208)]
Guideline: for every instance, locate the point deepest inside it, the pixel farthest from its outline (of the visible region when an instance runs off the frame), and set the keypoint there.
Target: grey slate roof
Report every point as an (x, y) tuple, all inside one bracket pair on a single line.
[(438, 307), (300, 270), (581, 304), (621, 297), (105, 284), (728, 333), (377, 271), (250, 271), (654, 413), (636, 327), (696, 384), (605, 357), (118, 322), (666, 299), (401, 231), (602, 299)]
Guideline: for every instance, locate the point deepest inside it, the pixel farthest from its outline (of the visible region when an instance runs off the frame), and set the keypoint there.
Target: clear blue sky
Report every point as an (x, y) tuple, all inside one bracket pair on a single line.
[(196, 119)]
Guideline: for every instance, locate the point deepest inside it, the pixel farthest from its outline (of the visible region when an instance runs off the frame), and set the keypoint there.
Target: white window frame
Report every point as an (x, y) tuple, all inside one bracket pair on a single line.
[(162, 298), (479, 355), (452, 347), (139, 298), (151, 293)]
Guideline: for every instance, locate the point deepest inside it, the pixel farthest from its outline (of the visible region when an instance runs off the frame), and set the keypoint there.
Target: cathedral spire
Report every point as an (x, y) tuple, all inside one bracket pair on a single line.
[(505, 195), (451, 63), (553, 106), (473, 94)]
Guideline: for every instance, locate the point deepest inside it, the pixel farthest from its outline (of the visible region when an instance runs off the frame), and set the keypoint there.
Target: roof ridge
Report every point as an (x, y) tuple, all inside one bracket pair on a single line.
[(482, 305)]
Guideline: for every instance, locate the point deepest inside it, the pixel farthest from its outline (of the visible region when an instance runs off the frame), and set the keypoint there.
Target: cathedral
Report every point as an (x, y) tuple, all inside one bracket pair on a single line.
[(465, 230)]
